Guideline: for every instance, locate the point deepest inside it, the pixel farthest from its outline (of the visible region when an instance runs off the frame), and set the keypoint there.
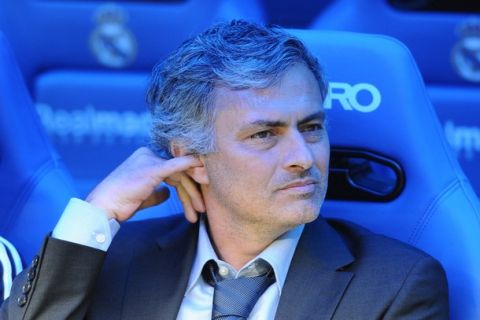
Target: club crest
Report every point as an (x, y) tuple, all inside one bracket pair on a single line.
[(112, 43), (466, 52)]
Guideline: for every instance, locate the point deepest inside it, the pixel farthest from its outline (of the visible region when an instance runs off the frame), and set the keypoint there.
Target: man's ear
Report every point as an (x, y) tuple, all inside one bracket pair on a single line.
[(198, 174)]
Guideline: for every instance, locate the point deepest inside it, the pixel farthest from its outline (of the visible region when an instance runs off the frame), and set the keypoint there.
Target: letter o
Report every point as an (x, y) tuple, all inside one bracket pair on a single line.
[(375, 93)]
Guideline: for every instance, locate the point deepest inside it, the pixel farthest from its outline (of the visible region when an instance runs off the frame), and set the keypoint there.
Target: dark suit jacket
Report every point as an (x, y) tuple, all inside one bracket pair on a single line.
[(339, 271)]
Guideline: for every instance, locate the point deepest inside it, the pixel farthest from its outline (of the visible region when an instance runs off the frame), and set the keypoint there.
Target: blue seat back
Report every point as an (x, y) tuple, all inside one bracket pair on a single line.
[(34, 185), (446, 46), (393, 167), (81, 60), (458, 109)]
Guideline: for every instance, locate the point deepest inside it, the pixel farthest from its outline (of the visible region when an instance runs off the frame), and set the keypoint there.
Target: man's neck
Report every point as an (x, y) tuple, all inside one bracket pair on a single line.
[(236, 243)]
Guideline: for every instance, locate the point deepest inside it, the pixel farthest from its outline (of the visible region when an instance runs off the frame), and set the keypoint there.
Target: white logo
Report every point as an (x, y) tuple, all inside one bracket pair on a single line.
[(465, 141), (348, 96), (93, 126), (111, 42), (466, 52)]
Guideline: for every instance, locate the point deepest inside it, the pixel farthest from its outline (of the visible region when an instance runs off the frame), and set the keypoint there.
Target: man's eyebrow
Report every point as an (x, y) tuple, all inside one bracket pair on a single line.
[(320, 115), (265, 123), (272, 124)]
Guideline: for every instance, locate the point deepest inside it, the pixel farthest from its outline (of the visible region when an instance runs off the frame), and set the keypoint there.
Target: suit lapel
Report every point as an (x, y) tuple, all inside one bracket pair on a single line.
[(315, 282), (158, 278)]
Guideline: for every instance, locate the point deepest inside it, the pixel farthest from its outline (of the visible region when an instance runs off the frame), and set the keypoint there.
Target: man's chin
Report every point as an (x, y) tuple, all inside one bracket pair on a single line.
[(302, 214), (310, 217)]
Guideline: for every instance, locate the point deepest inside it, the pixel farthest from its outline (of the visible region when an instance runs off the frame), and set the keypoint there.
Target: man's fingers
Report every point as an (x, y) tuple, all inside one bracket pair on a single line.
[(131, 186), (189, 195), (157, 197), (194, 194), (173, 180), (179, 164), (190, 213)]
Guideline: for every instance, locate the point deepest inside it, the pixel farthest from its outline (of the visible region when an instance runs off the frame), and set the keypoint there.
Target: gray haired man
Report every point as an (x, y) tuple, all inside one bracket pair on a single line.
[(238, 110)]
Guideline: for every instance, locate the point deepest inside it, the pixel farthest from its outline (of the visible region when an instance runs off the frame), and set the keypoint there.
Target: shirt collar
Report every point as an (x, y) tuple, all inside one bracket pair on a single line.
[(279, 254)]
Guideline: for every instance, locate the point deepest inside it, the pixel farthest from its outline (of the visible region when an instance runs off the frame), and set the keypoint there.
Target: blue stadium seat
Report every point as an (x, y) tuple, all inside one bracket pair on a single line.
[(34, 186), (458, 108), (392, 170), (446, 46), (78, 57)]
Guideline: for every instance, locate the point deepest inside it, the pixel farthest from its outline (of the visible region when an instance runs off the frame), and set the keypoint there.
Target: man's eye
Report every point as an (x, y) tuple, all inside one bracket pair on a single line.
[(312, 127), (262, 135)]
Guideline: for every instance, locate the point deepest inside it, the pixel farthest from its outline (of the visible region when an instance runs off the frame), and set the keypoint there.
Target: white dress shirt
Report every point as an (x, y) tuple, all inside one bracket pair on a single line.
[(85, 224), (198, 299)]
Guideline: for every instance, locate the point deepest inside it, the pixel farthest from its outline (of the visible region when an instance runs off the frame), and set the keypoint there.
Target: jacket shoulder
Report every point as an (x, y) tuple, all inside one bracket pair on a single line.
[(141, 237), (391, 277), (364, 243)]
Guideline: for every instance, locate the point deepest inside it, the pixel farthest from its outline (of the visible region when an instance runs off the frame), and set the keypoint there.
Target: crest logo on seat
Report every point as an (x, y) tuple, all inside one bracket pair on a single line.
[(112, 43), (466, 52)]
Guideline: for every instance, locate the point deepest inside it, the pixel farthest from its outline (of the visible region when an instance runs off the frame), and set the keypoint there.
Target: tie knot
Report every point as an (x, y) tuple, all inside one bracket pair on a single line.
[(235, 298), (212, 273)]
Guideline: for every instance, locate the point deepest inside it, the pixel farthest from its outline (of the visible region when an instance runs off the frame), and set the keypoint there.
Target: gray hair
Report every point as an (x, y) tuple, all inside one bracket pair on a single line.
[(237, 55)]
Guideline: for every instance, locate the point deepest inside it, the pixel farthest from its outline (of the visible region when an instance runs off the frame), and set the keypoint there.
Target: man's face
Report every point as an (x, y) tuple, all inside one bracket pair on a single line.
[(271, 166)]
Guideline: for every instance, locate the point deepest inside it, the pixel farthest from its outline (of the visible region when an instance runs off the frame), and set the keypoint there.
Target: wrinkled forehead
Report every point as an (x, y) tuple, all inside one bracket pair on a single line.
[(295, 96)]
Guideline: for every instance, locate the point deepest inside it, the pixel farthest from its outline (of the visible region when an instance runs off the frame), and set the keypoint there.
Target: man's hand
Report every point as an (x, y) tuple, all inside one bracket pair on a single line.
[(133, 185)]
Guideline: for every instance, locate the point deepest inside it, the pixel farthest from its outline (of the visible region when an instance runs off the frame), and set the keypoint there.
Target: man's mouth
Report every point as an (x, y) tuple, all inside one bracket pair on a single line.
[(301, 186)]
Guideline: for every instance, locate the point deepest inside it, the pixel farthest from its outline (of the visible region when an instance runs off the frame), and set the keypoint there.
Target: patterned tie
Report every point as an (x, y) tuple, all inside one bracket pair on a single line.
[(234, 299)]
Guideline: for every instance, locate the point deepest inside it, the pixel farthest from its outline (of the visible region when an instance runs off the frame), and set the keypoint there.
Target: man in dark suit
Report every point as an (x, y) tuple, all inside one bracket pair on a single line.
[(238, 109)]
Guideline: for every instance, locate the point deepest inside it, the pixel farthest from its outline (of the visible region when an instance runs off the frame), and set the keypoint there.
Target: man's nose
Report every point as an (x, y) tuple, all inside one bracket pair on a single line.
[(298, 153)]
